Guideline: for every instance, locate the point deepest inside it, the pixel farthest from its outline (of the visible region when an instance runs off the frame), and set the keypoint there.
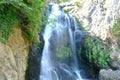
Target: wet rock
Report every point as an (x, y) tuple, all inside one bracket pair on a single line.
[(34, 58)]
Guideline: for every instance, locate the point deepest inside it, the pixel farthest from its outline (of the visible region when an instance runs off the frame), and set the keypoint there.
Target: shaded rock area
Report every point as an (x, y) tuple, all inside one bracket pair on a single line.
[(34, 58), (13, 57)]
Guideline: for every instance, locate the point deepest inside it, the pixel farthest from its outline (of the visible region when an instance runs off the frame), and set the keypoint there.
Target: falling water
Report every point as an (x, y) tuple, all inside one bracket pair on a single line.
[(60, 31)]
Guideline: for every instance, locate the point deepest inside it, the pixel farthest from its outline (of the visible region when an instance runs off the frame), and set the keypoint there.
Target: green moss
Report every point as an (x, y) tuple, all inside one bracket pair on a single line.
[(94, 52), (27, 13), (116, 28)]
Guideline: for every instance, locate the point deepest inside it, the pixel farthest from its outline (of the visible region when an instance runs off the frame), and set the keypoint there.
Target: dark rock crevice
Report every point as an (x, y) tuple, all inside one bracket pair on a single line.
[(34, 58)]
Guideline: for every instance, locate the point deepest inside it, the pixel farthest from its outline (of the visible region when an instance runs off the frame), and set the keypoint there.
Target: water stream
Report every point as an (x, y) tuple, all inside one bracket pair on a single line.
[(59, 59)]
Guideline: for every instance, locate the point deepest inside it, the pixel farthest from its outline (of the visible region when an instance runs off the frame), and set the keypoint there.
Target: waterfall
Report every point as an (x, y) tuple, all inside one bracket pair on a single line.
[(59, 59)]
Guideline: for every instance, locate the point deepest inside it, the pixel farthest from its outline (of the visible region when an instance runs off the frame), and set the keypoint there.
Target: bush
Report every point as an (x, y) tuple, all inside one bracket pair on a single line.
[(27, 13), (94, 52)]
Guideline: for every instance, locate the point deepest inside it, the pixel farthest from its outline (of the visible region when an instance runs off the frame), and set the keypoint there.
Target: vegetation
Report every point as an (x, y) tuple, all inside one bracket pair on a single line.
[(116, 28), (26, 13), (93, 51), (7, 20), (64, 52)]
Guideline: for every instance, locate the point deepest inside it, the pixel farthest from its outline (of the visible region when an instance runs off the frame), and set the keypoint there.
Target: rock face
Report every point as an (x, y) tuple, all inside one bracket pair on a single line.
[(96, 16), (13, 57), (34, 58)]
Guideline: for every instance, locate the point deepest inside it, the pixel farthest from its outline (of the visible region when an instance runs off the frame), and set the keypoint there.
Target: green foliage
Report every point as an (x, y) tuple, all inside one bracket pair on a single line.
[(93, 51), (26, 12), (116, 27), (7, 21), (63, 52)]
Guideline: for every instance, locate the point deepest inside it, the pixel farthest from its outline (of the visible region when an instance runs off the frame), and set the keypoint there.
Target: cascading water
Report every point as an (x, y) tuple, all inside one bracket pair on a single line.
[(59, 60)]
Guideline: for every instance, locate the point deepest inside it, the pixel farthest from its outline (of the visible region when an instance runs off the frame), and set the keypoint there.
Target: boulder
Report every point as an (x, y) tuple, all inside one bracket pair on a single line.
[(115, 58), (109, 74)]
